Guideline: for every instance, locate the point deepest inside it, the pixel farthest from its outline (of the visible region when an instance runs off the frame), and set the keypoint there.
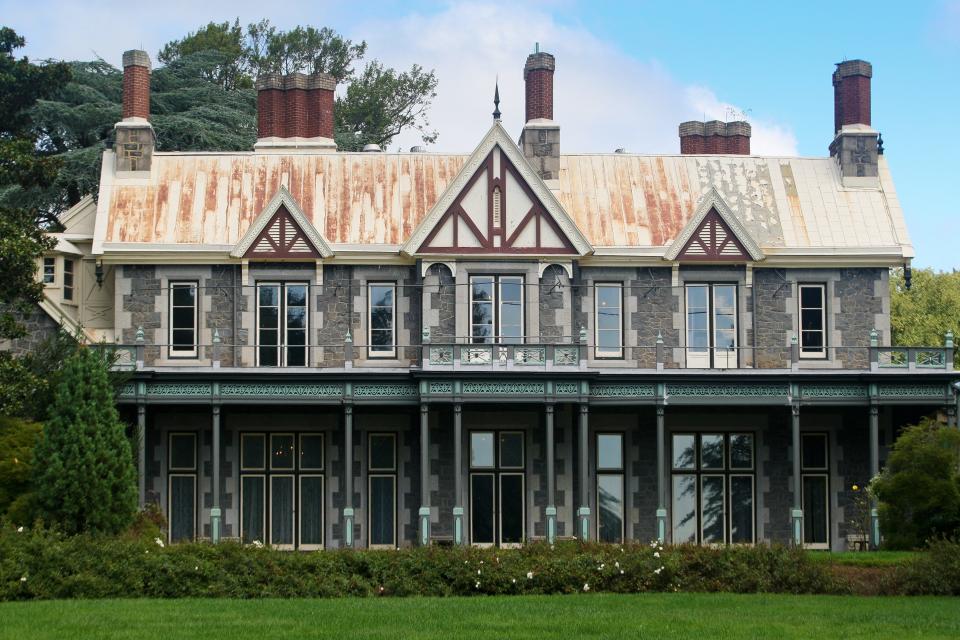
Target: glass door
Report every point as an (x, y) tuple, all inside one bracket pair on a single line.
[(497, 488), (815, 491), (711, 326)]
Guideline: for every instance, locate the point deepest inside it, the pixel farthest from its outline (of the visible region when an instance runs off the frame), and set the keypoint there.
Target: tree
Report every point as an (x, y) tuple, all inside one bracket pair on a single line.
[(922, 315), (919, 489), (85, 479), (231, 71), (17, 441)]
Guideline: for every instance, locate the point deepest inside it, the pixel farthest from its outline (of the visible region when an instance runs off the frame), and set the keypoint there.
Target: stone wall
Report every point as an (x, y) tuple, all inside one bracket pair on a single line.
[(554, 300), (773, 322), (39, 327), (440, 310), (860, 303), (655, 309)]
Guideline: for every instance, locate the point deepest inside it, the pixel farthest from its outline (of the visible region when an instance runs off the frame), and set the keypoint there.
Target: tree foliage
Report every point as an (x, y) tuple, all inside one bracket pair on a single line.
[(85, 479), (919, 489), (922, 315), (18, 438)]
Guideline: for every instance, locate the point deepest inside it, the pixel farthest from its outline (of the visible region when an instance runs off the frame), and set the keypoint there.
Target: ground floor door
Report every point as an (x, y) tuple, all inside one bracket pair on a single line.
[(497, 488)]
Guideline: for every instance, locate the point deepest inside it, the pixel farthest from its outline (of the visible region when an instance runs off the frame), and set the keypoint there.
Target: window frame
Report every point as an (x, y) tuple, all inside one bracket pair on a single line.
[(496, 303), (613, 472), (618, 352), (69, 282), (497, 471), (382, 472), (816, 472), (390, 353), (51, 262), (183, 353), (823, 352), (712, 350), (282, 345), (182, 472)]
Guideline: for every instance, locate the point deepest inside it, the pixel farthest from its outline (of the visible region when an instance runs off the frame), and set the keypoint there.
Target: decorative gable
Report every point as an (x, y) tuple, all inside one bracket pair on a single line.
[(497, 205), (282, 232), (714, 234)]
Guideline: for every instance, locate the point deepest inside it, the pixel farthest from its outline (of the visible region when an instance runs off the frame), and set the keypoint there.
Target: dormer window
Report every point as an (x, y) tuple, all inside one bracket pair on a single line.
[(49, 270), (68, 264)]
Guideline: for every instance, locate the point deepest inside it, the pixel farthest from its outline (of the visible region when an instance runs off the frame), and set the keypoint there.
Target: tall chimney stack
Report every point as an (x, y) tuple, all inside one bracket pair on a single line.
[(295, 111), (540, 140), (134, 136), (730, 138), (855, 144)]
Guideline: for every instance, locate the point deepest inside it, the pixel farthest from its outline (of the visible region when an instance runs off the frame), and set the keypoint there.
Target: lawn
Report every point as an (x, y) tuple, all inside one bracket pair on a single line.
[(512, 617)]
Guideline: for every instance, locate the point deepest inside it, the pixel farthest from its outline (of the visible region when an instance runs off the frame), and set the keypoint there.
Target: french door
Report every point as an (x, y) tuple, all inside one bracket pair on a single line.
[(282, 316), (815, 490), (711, 326), (497, 488)]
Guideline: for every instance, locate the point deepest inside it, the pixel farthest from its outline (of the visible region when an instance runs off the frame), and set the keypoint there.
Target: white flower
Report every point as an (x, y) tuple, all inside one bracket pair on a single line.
[(586, 587), (23, 578), (659, 548), (478, 584), (481, 562), (514, 581), (257, 544), (196, 568), (657, 571), (621, 571), (656, 554), (159, 542), (529, 575), (653, 544), (617, 564), (478, 571), (19, 529)]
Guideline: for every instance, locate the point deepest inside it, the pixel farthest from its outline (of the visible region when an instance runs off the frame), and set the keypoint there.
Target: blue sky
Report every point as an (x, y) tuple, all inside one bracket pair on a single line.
[(627, 73)]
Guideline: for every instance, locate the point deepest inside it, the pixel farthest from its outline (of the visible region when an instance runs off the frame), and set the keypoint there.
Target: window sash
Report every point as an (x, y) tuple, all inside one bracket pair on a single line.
[(192, 437), (282, 519), (610, 513), (809, 337), (608, 320), (183, 338), (309, 511), (373, 501), (68, 279), (382, 341), (392, 438), (603, 463), (503, 314), (816, 523), (712, 325), (824, 443), (176, 532), (49, 271), (276, 317), (258, 520)]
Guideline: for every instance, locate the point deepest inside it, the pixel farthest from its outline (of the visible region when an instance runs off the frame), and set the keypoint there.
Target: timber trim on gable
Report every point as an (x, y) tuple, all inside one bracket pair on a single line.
[(258, 230), (713, 213)]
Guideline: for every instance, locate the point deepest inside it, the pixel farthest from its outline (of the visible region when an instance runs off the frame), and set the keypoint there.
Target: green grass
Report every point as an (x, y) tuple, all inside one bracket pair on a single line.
[(682, 615), (864, 558)]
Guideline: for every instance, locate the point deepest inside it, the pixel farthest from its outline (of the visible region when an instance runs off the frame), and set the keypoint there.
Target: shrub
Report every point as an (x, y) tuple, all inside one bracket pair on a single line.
[(936, 572), (17, 440), (919, 489), (85, 478)]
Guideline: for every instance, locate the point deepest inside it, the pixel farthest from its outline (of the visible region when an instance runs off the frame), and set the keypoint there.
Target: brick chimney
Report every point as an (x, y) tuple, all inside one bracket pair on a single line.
[(730, 138), (134, 137), (855, 143), (295, 111), (540, 140)]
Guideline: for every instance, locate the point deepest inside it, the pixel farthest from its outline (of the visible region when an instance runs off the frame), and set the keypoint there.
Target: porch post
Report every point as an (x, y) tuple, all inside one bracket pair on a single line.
[(797, 513), (583, 513), (424, 474), (661, 485), (551, 479), (215, 507), (142, 452), (348, 475), (874, 470), (458, 534)]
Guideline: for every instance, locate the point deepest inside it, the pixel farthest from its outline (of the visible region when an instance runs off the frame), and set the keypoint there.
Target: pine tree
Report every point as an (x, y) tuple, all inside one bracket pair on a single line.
[(85, 479)]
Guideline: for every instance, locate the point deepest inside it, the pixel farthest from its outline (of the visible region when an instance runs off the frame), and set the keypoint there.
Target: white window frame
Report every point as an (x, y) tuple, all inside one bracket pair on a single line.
[(71, 272), (52, 263), (381, 472), (601, 353), (183, 353), (712, 357), (283, 342), (822, 352), (497, 307), (392, 351)]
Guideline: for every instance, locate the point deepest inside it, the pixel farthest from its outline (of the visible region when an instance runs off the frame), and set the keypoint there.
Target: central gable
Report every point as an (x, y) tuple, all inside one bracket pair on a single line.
[(282, 232), (497, 205)]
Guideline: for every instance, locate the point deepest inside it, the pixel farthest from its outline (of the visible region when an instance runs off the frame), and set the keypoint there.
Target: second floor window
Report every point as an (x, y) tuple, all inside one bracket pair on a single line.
[(49, 270), (609, 320), (813, 343), (282, 312), (183, 319), (68, 279), (496, 309), (382, 314), (711, 325)]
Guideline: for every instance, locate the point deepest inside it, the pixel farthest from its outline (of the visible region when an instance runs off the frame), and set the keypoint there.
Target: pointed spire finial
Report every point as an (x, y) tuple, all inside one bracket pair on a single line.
[(496, 100)]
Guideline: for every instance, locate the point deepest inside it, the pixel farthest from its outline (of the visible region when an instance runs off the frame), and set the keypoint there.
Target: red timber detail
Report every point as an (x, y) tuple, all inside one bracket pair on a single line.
[(713, 241), (496, 221), (283, 238)]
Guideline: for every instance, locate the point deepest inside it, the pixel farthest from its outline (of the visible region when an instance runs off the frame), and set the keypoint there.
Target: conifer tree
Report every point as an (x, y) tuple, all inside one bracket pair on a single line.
[(85, 479)]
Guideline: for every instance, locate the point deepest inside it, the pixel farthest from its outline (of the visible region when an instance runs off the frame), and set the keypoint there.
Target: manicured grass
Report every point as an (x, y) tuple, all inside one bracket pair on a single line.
[(680, 615), (865, 558)]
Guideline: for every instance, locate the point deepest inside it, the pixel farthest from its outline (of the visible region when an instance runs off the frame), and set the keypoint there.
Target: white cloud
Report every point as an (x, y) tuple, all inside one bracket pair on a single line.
[(767, 138)]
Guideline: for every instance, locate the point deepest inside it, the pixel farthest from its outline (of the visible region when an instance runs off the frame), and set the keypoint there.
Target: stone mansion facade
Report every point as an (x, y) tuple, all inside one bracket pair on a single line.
[(378, 349)]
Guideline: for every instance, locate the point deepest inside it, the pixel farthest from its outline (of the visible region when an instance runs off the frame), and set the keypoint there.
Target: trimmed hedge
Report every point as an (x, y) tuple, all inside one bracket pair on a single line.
[(41, 564)]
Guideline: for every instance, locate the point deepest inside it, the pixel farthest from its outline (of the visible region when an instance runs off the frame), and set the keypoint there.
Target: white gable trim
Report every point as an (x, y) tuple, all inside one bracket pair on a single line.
[(713, 200), (497, 136), (282, 197)]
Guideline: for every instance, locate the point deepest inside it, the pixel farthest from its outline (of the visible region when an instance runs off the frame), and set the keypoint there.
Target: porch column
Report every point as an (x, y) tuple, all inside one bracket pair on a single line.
[(215, 507), (583, 513), (458, 536), (424, 474), (551, 478), (142, 453), (661, 485), (348, 475), (874, 470), (797, 512)]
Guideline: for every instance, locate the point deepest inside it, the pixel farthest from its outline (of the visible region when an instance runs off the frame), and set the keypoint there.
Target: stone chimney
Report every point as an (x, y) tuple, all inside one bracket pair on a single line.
[(134, 137), (731, 138), (855, 144), (540, 140), (295, 111)]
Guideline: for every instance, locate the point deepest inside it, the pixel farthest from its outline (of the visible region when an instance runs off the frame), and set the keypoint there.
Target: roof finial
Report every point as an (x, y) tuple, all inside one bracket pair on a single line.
[(536, 47), (496, 100)]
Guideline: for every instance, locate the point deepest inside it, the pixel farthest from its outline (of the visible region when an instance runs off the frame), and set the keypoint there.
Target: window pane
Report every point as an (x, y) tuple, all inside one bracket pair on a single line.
[(511, 450), (711, 451), (741, 451), (815, 523), (697, 319), (684, 509), (811, 340), (811, 320), (511, 290), (382, 454), (610, 451), (184, 295), (381, 295), (381, 318), (182, 340), (811, 297), (296, 337), (712, 511), (482, 289), (296, 295), (183, 451), (684, 454), (511, 314), (511, 508), (608, 341), (481, 450), (311, 451), (281, 510), (481, 508), (253, 451), (741, 509), (296, 317), (697, 297), (183, 318), (268, 355), (725, 298), (269, 295), (253, 508), (281, 451), (610, 506), (381, 510), (814, 451), (269, 317), (183, 508), (311, 510)]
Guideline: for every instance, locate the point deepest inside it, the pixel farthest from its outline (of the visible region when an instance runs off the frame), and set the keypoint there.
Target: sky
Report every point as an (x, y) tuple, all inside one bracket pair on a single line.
[(627, 73)]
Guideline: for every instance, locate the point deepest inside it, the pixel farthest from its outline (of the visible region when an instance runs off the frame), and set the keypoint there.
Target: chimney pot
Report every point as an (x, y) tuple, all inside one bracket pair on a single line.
[(296, 105), (732, 138)]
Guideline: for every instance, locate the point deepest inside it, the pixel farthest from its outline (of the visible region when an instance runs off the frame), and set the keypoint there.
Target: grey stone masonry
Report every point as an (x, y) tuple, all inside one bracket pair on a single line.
[(773, 322), (141, 303), (222, 305), (860, 294), (39, 327), (655, 309), (776, 471), (554, 305), (334, 302), (440, 295), (540, 143)]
